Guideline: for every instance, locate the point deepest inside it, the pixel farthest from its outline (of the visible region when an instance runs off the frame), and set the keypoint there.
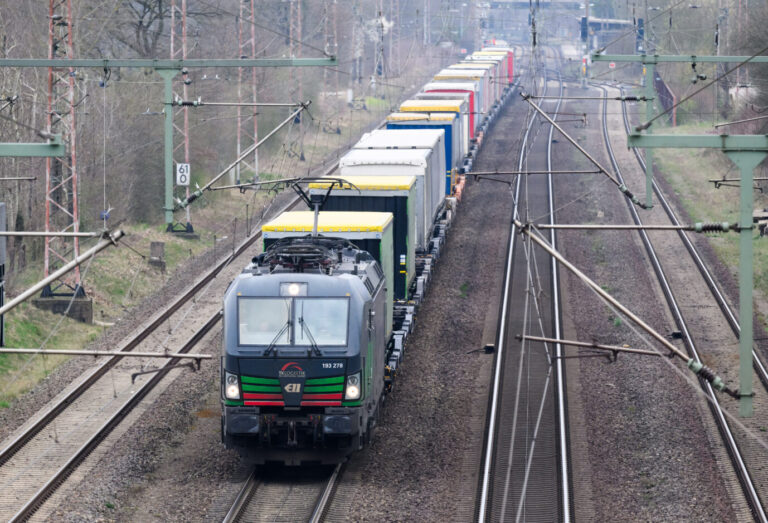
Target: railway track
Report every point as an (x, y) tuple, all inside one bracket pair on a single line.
[(515, 483), (45, 452), (285, 497), (39, 457), (746, 455)]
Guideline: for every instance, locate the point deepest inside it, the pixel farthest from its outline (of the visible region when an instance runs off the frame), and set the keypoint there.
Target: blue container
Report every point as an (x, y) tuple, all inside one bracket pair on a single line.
[(449, 122)]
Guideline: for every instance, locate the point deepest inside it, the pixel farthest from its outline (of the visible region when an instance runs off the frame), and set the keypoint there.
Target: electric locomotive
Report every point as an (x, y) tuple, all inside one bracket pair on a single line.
[(304, 342)]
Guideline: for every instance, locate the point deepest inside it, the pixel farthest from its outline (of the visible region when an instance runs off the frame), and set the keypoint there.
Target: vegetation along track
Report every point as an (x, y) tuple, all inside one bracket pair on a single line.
[(285, 495), (746, 454), (525, 460), (37, 459)]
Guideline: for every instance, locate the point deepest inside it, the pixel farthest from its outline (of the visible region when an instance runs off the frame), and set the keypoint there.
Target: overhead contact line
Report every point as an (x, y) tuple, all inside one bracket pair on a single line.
[(623, 188)]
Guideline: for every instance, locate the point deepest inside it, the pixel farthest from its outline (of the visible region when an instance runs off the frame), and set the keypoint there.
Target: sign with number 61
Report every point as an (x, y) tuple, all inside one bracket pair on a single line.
[(182, 174)]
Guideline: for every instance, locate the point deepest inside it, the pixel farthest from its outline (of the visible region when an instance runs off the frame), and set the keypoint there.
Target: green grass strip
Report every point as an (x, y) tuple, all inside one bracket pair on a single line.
[(259, 388), (323, 381), (325, 388), (262, 381)]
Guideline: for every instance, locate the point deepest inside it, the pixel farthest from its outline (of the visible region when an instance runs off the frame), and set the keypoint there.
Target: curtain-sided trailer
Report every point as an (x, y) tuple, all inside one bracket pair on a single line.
[(458, 106), (449, 122), (491, 70), (395, 194), (468, 88), (414, 162), (401, 139), (508, 52), (464, 75)]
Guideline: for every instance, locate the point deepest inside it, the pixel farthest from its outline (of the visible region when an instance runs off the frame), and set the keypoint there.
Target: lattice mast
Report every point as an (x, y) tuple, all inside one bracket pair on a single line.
[(179, 50), (380, 66), (295, 52), (394, 51), (336, 43), (248, 128), (61, 212)]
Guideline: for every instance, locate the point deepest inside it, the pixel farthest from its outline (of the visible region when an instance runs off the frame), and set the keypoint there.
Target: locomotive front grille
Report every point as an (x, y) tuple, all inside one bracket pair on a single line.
[(317, 392)]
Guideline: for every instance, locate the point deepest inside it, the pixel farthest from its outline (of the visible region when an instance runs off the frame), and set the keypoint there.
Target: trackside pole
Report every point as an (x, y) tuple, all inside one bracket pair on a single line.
[(649, 94), (168, 75), (746, 161)]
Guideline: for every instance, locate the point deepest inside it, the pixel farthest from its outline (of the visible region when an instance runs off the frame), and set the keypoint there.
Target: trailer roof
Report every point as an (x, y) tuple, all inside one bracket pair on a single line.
[(370, 183), (422, 106), (459, 74), (410, 117), (400, 139), (329, 221), (452, 86), (471, 64)]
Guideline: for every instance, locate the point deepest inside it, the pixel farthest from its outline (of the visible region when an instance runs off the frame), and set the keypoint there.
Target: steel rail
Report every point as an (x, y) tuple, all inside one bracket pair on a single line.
[(95, 353), (243, 497), (82, 453), (562, 415), (740, 466), (325, 497), (496, 385), (17, 443)]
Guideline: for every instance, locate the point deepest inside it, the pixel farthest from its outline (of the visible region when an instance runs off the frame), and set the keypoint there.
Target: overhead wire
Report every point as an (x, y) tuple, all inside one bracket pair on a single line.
[(265, 28), (647, 124)]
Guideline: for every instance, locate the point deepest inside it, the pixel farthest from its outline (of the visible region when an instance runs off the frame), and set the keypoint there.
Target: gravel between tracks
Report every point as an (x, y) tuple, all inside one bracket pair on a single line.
[(643, 426)]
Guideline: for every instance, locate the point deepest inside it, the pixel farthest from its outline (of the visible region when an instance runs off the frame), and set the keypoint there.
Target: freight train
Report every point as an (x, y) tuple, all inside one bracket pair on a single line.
[(315, 327)]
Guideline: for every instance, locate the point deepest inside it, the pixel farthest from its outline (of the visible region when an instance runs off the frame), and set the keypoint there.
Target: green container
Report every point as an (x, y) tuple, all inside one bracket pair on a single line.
[(395, 194)]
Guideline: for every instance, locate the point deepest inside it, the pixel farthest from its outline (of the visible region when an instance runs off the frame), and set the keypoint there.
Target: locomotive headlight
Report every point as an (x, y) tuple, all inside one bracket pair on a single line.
[(231, 387), (353, 389), (293, 289)]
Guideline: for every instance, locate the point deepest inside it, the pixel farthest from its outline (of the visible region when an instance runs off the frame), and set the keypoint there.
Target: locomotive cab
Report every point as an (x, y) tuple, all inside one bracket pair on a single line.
[(304, 342)]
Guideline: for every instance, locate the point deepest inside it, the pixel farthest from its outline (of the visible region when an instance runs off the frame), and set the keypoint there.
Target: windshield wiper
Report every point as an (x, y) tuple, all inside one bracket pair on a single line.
[(277, 337), (315, 349)]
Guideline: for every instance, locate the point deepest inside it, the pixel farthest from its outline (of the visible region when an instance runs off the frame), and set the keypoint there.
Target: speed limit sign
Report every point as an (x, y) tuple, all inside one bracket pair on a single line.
[(182, 174)]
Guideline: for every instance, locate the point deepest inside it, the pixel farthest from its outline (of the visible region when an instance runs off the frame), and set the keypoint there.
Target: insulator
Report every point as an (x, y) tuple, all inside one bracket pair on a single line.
[(712, 227), (707, 373)]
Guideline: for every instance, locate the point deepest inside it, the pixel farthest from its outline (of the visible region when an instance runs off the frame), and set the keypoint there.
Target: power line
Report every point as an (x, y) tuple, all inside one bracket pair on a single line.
[(265, 28), (647, 124)]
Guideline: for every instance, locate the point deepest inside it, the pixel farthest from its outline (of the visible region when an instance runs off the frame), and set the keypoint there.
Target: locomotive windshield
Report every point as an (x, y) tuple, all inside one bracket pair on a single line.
[(293, 321), (325, 320), (264, 321)]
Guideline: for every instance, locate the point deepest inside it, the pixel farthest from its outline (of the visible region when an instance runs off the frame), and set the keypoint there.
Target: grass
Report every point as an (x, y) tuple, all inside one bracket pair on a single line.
[(687, 172), (463, 289), (373, 103), (29, 327)]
